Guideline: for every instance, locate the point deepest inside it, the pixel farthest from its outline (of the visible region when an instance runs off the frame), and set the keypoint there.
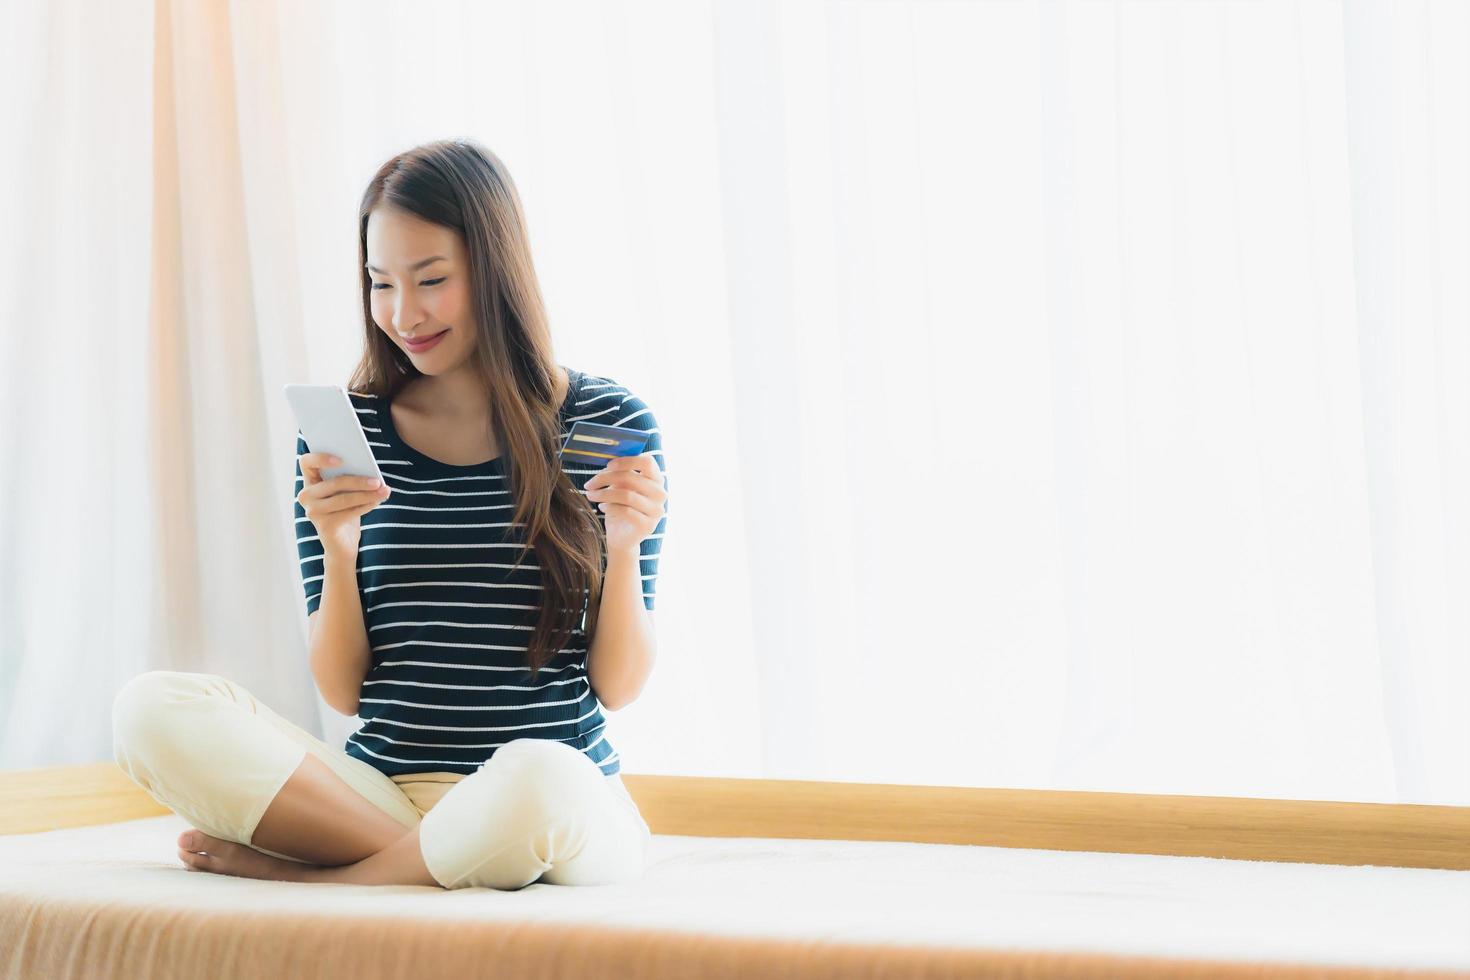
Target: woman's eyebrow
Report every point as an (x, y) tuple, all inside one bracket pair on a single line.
[(416, 265)]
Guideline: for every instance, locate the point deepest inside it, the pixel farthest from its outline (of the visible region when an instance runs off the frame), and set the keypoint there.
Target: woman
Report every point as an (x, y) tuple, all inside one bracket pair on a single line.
[(481, 761)]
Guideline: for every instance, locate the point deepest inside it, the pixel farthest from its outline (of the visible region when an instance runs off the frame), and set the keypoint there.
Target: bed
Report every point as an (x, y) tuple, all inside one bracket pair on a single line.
[(780, 879)]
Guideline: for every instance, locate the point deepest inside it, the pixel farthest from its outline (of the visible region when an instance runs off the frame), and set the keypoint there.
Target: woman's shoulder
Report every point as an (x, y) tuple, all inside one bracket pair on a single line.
[(604, 399), (601, 384)]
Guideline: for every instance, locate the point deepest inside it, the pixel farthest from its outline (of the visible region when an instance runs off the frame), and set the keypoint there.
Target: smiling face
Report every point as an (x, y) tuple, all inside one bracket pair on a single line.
[(416, 295)]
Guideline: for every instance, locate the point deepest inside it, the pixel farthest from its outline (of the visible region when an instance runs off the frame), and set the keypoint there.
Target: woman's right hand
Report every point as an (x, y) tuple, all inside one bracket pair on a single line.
[(335, 505)]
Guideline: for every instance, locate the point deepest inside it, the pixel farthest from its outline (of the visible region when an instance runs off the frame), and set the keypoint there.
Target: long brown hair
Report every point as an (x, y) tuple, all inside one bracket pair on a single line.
[(461, 185)]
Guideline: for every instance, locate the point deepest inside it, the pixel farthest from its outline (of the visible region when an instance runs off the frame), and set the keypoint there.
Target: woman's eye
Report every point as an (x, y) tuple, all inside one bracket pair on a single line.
[(426, 282)]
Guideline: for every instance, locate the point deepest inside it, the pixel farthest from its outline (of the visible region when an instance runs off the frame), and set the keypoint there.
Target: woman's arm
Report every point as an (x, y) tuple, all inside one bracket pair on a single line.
[(622, 652), (340, 652)]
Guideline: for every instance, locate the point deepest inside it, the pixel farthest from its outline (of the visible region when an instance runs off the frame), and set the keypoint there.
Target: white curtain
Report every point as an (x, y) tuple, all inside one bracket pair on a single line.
[(1059, 394)]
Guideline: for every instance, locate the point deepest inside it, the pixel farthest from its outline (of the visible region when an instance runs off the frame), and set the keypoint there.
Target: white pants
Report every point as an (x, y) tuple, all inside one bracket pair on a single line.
[(202, 746)]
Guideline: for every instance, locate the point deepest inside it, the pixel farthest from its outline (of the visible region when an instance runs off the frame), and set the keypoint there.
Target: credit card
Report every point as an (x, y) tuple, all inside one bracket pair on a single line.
[(590, 444)]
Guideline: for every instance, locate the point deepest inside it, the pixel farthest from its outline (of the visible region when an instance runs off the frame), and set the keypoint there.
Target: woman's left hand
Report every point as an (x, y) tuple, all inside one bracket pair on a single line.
[(630, 491)]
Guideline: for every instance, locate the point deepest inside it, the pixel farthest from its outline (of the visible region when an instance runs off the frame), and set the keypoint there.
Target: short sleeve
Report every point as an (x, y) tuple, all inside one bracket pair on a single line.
[(634, 413), (309, 549)]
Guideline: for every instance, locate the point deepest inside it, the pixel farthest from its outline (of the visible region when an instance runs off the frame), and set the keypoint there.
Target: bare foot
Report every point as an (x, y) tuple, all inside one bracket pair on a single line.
[(201, 852)]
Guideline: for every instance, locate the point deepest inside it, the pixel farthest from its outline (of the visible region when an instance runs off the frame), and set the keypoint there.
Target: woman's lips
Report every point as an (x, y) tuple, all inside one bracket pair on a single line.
[(426, 343)]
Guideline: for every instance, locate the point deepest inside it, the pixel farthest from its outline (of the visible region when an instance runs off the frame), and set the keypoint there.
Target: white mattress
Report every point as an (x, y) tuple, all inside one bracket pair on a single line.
[(835, 892)]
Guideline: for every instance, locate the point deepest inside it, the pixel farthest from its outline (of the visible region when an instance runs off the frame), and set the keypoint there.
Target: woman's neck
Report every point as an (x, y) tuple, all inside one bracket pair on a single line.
[(460, 395)]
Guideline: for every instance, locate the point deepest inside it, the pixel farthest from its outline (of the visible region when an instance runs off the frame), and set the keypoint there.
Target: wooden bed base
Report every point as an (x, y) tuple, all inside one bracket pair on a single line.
[(1320, 832)]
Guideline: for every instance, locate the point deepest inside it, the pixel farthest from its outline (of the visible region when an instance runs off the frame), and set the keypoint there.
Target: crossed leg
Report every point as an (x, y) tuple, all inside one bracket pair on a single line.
[(337, 834), (399, 863)]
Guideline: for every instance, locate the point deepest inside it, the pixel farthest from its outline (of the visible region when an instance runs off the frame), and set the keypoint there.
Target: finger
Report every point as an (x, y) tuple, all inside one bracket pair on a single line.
[(617, 465), (625, 473), (620, 496), (360, 511), (650, 492), (346, 483), (624, 512), (312, 464), (652, 484), (644, 463), (349, 501), (327, 489), (602, 478)]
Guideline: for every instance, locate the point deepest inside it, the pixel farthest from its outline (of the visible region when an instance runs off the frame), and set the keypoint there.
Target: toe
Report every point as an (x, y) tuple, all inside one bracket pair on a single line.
[(197, 840)]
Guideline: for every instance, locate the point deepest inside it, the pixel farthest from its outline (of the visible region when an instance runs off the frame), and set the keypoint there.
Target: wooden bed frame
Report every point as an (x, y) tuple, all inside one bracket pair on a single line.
[(1320, 832)]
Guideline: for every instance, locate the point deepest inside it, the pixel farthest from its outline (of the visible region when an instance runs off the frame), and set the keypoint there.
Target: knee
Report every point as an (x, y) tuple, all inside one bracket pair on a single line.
[(542, 755), (140, 709), (548, 775)]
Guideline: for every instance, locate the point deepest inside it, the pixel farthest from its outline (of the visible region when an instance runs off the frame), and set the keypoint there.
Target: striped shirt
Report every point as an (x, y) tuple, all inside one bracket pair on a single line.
[(447, 620)]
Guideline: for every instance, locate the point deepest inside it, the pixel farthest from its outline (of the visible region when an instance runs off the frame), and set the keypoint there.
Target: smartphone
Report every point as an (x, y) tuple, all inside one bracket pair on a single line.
[(327, 420)]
